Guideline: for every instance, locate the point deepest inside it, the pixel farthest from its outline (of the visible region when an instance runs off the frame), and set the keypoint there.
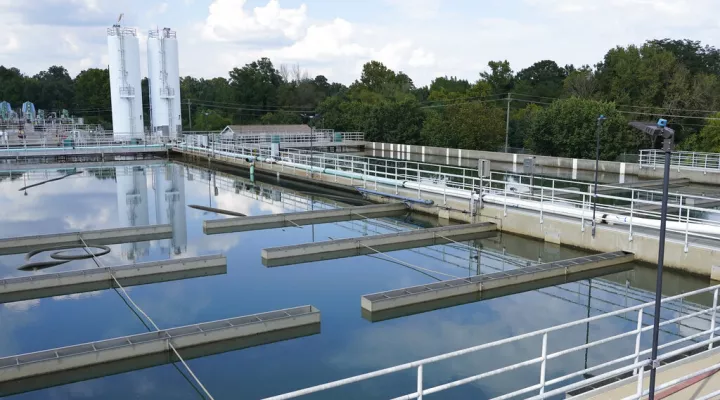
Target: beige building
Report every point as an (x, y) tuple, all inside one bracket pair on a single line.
[(257, 129)]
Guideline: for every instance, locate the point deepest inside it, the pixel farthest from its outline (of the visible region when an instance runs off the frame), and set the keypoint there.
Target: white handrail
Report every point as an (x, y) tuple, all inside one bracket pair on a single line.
[(542, 359)]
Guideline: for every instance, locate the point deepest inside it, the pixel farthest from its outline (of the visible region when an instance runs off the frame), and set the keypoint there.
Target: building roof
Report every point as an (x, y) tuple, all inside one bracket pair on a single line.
[(251, 129)]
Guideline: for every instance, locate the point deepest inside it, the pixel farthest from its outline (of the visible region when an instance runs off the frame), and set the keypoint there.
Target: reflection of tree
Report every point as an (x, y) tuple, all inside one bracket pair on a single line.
[(104, 173)]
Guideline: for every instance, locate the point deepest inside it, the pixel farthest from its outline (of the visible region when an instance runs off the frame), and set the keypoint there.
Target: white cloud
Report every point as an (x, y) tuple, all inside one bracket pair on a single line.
[(333, 40), (451, 38), (11, 43), (421, 58), (22, 306), (157, 10), (77, 296), (229, 21), (418, 9)]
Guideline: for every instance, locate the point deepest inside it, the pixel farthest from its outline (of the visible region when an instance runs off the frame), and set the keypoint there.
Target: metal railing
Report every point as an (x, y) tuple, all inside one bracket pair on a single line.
[(261, 138), (690, 216), (69, 143), (706, 162), (547, 386)]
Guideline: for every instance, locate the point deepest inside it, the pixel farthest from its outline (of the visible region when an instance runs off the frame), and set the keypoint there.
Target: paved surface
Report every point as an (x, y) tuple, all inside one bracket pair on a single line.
[(666, 374)]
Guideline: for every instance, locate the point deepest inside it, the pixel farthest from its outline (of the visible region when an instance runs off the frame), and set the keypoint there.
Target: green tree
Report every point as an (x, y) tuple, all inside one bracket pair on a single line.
[(636, 75), (544, 78), (376, 77), (692, 54), (708, 140), (521, 122), (394, 121), (92, 95), (567, 128), (500, 77), (581, 83), (281, 118), (256, 86), (56, 90), (474, 125), (209, 120), (12, 86), (449, 84)]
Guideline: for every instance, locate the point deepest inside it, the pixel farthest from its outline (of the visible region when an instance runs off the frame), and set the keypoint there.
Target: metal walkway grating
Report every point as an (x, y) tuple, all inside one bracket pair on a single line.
[(435, 291), (197, 333)]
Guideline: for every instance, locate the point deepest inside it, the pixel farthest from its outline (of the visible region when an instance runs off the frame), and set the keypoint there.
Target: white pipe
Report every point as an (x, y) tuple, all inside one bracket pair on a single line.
[(556, 208), (607, 218)]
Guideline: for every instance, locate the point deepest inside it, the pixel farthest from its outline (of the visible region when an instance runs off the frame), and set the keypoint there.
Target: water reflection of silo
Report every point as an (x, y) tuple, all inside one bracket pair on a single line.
[(170, 206), (132, 198)]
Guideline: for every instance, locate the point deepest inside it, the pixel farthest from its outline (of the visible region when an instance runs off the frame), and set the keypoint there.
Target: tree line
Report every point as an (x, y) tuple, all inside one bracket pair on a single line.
[(547, 108)]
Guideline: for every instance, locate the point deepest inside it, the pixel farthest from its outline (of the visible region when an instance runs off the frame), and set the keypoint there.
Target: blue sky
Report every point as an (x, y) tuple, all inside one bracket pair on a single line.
[(424, 38)]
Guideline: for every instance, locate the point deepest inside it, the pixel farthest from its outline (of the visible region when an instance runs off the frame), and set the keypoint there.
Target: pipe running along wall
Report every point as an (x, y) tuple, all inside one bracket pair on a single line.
[(562, 209)]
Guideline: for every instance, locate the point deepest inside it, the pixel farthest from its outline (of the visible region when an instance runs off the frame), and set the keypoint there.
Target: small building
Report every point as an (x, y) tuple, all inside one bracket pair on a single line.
[(232, 130)]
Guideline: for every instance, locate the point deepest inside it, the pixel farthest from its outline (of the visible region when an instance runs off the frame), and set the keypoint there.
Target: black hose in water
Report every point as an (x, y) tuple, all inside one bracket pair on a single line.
[(344, 198), (48, 181), (217, 210), (58, 254)]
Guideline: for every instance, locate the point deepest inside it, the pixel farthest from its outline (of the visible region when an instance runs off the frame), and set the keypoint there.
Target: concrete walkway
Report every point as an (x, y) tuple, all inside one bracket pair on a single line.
[(683, 391)]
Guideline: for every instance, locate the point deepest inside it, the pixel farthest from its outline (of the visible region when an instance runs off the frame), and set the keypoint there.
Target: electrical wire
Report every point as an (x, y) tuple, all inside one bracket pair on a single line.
[(196, 101)]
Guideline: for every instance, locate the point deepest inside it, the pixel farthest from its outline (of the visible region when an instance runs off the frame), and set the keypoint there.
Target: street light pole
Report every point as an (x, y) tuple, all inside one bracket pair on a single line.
[(660, 129), (600, 121), (667, 147)]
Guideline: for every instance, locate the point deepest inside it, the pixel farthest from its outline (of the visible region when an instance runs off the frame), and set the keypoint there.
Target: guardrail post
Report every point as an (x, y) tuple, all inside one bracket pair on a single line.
[(632, 211), (712, 318), (365, 172), (582, 216), (639, 391), (637, 338), (445, 194), (418, 181), (544, 362), (505, 189), (376, 176), (552, 198), (687, 228), (541, 203), (680, 202), (419, 382)]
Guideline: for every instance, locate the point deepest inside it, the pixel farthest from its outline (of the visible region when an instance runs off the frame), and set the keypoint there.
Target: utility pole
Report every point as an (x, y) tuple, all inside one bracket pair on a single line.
[(189, 116), (507, 124)]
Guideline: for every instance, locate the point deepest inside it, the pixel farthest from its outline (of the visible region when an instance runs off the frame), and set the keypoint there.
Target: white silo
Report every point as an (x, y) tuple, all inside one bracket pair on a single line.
[(164, 83), (125, 89), (132, 203)]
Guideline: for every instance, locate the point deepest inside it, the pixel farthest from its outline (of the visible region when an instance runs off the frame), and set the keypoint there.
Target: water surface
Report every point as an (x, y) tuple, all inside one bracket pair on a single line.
[(159, 192)]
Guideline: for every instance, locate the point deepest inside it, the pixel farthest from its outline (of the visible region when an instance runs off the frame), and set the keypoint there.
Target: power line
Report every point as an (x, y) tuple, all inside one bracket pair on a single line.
[(248, 105), (636, 112), (248, 109), (626, 105), (466, 102), (500, 96)]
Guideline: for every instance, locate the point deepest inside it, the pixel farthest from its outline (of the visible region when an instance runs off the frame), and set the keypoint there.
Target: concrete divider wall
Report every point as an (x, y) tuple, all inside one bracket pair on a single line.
[(548, 161)]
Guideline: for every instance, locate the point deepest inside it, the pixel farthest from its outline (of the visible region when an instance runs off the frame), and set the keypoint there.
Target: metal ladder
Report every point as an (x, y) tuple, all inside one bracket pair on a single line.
[(123, 74)]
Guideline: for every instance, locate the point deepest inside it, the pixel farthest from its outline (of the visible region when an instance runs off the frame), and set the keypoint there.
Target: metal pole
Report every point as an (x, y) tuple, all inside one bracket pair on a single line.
[(189, 116), (667, 145), (507, 124), (600, 121), (587, 326)]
